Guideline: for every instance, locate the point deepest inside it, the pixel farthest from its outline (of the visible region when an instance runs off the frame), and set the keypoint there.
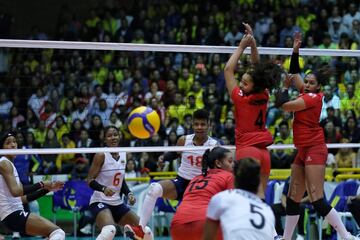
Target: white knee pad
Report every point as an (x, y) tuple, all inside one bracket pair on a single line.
[(58, 234), (107, 233), (155, 190)]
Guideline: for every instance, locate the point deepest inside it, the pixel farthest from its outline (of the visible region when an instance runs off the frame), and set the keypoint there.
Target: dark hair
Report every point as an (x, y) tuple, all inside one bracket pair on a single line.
[(265, 76), (5, 135), (284, 123), (106, 129), (202, 114), (323, 74), (210, 156), (247, 174)]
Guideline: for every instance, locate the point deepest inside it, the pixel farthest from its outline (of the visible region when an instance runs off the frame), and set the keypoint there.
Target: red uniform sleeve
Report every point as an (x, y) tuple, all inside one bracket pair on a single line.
[(310, 99), (236, 93)]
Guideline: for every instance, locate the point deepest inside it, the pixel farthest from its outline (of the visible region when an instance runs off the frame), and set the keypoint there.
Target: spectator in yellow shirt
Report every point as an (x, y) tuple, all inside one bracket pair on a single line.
[(350, 102), (176, 110), (66, 162), (185, 81)]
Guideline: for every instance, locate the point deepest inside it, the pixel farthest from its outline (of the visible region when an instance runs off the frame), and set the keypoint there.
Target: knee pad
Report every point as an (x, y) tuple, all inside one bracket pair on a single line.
[(108, 232), (155, 190), (292, 207), (58, 234), (322, 207)]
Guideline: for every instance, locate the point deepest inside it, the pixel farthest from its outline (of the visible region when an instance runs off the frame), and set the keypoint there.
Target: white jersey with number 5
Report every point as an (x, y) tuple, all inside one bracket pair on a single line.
[(111, 175), (190, 166), (8, 203), (242, 215)]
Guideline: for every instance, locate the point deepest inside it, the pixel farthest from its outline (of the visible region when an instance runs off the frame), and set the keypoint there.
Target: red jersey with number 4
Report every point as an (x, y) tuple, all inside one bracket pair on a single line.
[(250, 118), (307, 130), (198, 194)]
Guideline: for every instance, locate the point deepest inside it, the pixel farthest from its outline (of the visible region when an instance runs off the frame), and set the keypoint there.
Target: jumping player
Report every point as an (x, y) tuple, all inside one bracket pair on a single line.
[(308, 168), (190, 167), (250, 99)]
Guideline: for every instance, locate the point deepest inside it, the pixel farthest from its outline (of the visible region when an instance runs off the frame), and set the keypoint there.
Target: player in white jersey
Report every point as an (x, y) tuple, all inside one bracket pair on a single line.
[(240, 212), (13, 194), (190, 167), (106, 177)]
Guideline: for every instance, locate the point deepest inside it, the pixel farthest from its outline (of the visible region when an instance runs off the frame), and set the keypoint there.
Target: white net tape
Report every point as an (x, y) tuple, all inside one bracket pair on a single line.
[(145, 149), (6, 43)]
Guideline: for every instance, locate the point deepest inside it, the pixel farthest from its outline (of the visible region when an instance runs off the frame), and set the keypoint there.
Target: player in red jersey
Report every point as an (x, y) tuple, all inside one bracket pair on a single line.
[(190, 216), (250, 99), (308, 168)]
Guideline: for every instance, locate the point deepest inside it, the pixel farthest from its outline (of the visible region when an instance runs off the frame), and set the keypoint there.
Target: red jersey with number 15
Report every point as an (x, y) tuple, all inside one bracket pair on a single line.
[(198, 194), (306, 127), (250, 119)]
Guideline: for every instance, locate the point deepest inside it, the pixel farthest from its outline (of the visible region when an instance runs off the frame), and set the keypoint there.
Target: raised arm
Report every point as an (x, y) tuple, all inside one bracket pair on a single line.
[(231, 65), (294, 63), (254, 51)]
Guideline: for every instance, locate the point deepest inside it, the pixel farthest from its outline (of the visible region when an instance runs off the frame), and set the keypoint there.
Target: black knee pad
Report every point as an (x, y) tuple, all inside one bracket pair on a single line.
[(292, 207), (322, 207)]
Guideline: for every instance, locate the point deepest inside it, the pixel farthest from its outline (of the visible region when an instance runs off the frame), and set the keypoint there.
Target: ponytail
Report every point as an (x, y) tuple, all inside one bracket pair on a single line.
[(204, 162), (210, 156)]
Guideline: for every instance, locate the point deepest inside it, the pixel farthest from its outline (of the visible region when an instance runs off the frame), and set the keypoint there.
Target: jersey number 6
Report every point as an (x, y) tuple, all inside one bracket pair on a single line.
[(116, 180)]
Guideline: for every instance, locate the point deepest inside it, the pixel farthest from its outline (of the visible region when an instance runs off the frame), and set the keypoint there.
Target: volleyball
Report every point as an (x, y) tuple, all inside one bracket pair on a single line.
[(143, 122)]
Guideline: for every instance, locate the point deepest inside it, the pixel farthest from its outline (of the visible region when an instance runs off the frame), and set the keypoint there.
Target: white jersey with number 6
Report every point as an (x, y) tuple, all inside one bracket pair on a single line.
[(242, 215), (190, 166), (111, 175)]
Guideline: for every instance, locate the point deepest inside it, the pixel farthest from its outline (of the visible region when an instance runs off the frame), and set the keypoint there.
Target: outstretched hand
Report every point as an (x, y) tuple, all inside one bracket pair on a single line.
[(53, 186), (248, 29), (297, 42), (246, 41)]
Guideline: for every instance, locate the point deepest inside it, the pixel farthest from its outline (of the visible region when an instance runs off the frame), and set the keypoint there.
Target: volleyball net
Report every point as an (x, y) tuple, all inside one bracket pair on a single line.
[(61, 94)]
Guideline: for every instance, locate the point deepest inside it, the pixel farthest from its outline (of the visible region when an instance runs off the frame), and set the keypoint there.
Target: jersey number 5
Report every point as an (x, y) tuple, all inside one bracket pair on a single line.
[(254, 209), (116, 180), (259, 120), (196, 161)]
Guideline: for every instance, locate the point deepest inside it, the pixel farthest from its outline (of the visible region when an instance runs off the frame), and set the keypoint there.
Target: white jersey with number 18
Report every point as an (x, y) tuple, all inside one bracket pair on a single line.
[(190, 166), (242, 215)]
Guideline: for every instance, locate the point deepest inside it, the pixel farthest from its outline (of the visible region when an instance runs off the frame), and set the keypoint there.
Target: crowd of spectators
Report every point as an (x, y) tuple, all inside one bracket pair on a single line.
[(64, 98)]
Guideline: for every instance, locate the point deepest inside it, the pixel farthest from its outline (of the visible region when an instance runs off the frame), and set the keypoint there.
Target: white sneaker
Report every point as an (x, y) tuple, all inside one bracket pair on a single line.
[(148, 234), (299, 237), (351, 237), (87, 229), (16, 235)]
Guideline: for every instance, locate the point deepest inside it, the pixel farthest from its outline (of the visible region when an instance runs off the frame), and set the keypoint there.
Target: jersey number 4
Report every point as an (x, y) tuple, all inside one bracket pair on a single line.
[(259, 120), (195, 161)]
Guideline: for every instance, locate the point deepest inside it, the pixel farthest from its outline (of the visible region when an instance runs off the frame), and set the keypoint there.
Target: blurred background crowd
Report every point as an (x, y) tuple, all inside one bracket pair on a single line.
[(64, 98)]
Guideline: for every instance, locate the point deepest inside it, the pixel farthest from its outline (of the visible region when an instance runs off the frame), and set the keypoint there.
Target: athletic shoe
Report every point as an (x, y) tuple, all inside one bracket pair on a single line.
[(137, 232), (351, 237), (299, 237), (278, 237), (16, 235)]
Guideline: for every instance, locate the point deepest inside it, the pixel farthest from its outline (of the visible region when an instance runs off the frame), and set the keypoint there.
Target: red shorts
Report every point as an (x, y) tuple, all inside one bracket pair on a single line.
[(313, 155), (190, 231), (261, 154)]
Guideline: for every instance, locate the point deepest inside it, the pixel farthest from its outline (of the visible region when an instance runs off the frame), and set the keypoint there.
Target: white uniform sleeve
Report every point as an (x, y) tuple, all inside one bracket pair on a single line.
[(215, 208)]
